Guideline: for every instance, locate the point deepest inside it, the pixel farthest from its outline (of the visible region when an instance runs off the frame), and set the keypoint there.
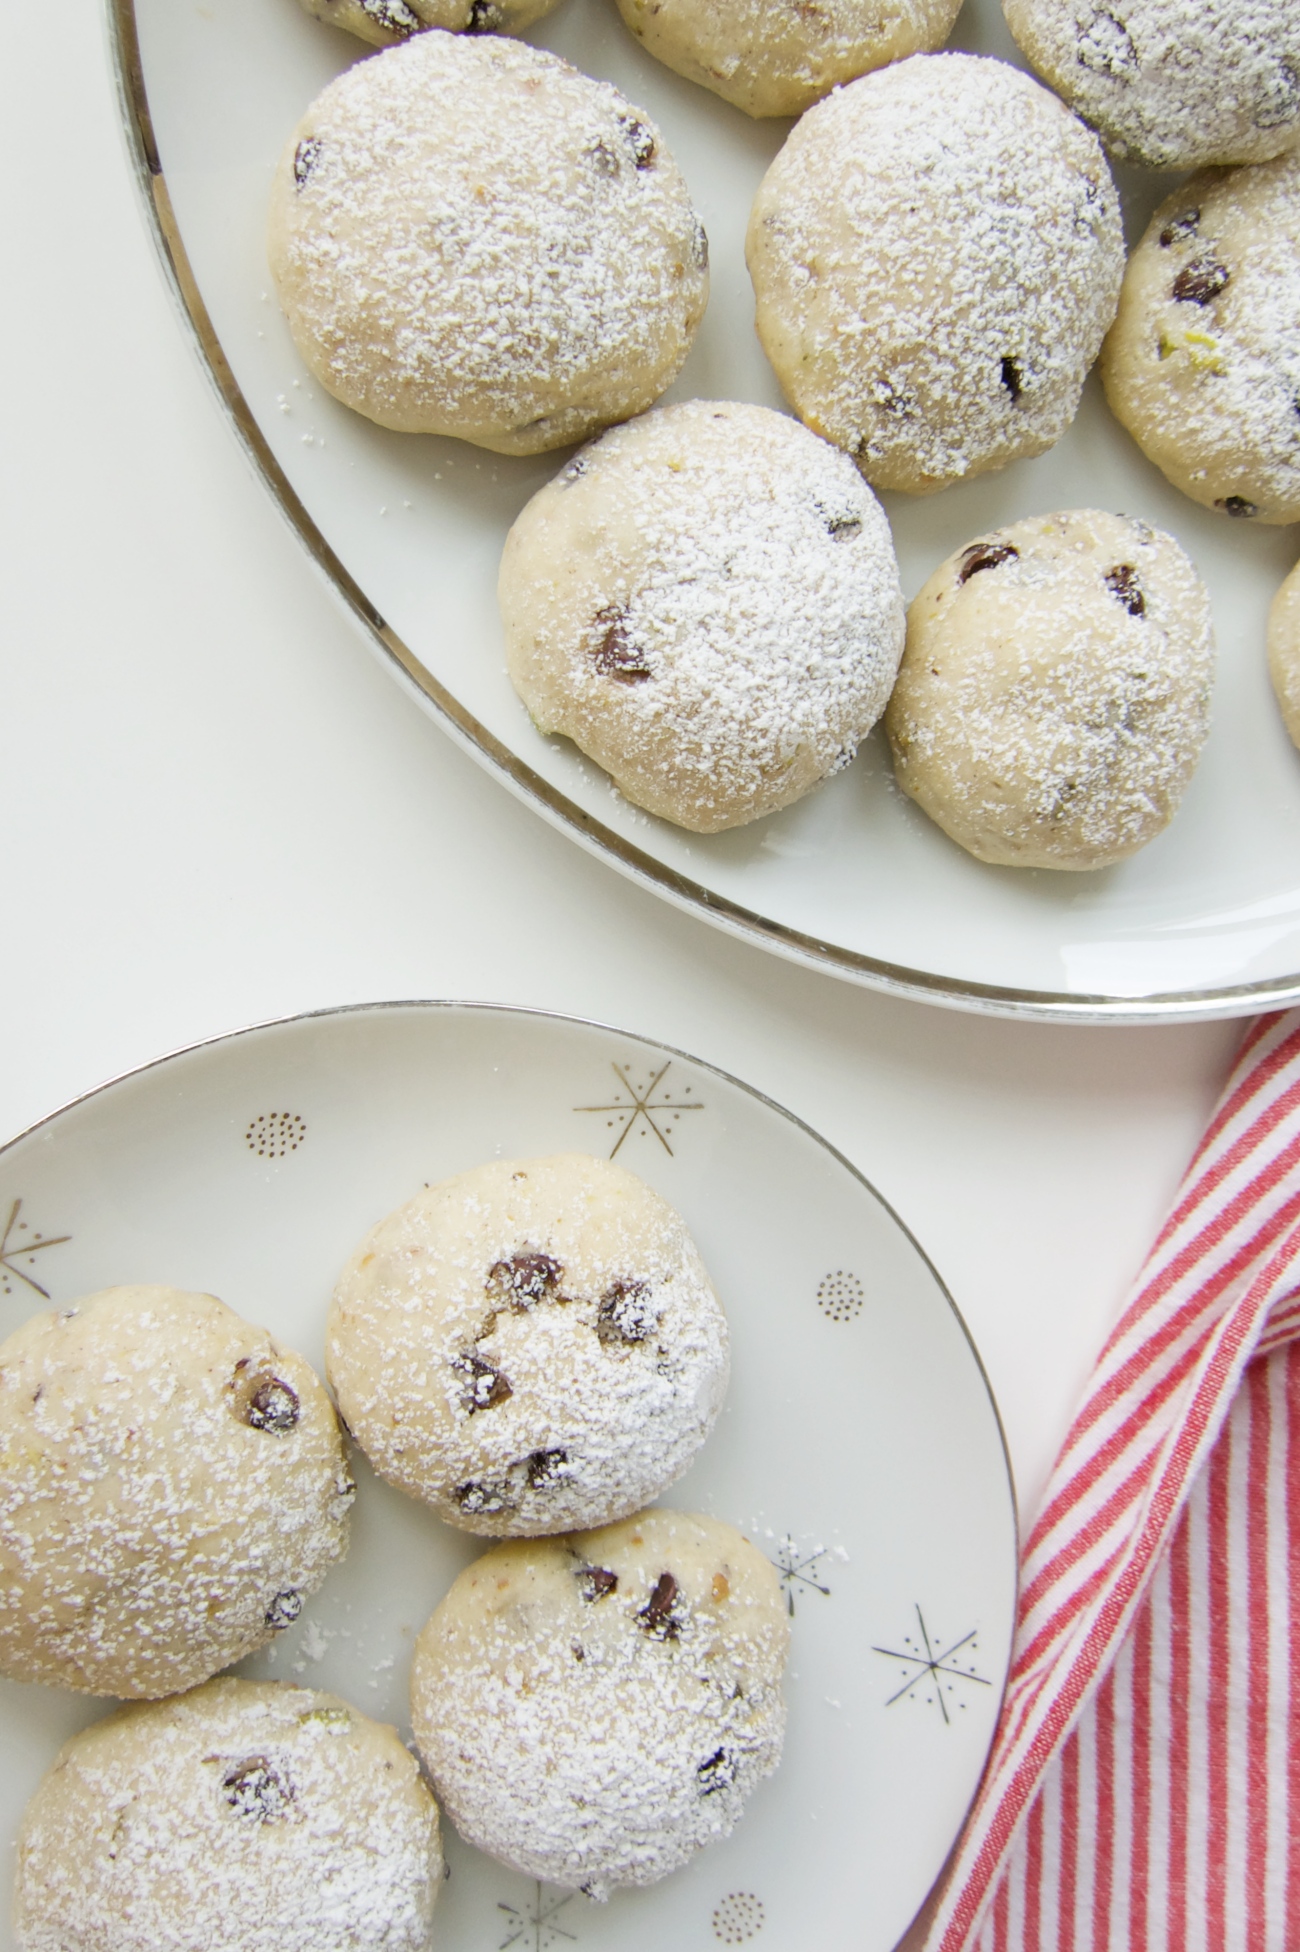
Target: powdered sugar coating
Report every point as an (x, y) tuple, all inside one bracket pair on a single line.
[(469, 237), (1202, 364), (385, 22), (1284, 651), (172, 1486), (936, 254), (595, 1709), (1172, 83), (1054, 695), (707, 602), (779, 60), (529, 1347), (253, 1817)]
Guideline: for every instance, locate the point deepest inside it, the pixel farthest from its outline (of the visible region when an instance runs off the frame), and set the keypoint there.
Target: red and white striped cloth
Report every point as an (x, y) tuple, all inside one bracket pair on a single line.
[(1143, 1793)]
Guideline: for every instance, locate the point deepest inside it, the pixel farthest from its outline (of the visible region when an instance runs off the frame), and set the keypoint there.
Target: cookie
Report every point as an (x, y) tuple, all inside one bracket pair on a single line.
[(707, 602), (1054, 694), (1284, 651), (172, 1484), (254, 1817), (1202, 364), (779, 60), (936, 255), (1172, 86), (529, 1347), (595, 1709), (469, 237), (384, 22)]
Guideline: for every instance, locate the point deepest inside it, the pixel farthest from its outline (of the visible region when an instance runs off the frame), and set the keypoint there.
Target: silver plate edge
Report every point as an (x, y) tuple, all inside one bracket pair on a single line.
[(916, 985)]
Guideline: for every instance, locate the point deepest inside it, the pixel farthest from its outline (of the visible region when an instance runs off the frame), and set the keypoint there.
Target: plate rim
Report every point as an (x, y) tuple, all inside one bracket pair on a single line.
[(436, 1005), (808, 951)]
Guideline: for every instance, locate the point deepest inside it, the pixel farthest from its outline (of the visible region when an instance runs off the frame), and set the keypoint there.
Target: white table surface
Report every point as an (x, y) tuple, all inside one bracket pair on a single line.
[(216, 807)]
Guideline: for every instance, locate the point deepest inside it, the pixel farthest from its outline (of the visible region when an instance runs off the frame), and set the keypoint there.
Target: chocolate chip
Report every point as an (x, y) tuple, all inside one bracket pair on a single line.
[(1281, 97), (255, 1789), (484, 17), (1011, 379), (574, 472), (1238, 505), (1199, 283), (700, 246), (984, 555), (1178, 229), (639, 139), (547, 1467), (1106, 47), (597, 1582), (718, 1772), (392, 15), (657, 1616), (842, 528), (272, 1406), (524, 1279), (614, 656), (485, 1385), (284, 1610), (1122, 582), (305, 158), (489, 1497), (625, 1314)]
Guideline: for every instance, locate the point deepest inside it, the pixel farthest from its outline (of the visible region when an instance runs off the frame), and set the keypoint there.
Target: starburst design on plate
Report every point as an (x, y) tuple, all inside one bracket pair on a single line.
[(922, 1667), (652, 1103), (533, 1926), (799, 1568), (14, 1249)]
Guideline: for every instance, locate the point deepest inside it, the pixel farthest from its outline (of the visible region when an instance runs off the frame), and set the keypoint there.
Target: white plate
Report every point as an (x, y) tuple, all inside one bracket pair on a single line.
[(409, 529), (859, 1447)]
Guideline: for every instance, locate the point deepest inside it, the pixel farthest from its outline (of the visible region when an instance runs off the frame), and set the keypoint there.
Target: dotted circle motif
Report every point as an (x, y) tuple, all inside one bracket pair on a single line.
[(841, 1295), (272, 1134), (738, 1917)]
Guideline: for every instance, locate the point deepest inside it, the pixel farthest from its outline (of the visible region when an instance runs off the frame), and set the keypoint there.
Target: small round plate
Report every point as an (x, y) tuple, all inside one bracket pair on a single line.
[(408, 529), (859, 1447)]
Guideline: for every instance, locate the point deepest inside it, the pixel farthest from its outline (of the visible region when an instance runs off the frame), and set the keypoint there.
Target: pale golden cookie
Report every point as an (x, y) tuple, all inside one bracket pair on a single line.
[(1054, 694), (595, 1709), (1284, 651), (172, 1486)]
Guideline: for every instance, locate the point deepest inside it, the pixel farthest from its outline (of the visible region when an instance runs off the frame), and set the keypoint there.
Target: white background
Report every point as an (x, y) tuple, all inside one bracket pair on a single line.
[(215, 807)]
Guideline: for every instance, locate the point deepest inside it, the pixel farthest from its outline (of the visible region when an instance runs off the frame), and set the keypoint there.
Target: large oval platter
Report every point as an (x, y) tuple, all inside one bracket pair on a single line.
[(408, 529), (859, 1447)]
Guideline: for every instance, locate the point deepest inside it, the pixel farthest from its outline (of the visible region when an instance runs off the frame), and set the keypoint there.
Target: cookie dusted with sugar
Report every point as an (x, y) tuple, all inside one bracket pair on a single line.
[(529, 1347), (1054, 695), (1174, 84), (595, 1709), (707, 602), (172, 1485), (469, 237), (1284, 651), (1202, 364), (256, 1817), (936, 255), (771, 60), (385, 22)]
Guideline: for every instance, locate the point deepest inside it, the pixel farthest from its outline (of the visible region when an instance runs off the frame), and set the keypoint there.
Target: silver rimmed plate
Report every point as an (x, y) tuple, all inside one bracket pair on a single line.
[(859, 1447), (409, 529)]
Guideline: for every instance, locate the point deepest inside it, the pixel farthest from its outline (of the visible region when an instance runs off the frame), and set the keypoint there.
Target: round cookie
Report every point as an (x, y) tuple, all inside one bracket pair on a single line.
[(529, 1347), (1054, 694), (595, 1709), (707, 602), (254, 1817), (771, 60), (936, 254), (1172, 86), (1284, 651), (172, 1484), (469, 237), (384, 22), (1202, 365)]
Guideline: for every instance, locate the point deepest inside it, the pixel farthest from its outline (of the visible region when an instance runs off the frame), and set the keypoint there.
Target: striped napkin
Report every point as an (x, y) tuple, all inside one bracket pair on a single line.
[(1143, 1792)]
